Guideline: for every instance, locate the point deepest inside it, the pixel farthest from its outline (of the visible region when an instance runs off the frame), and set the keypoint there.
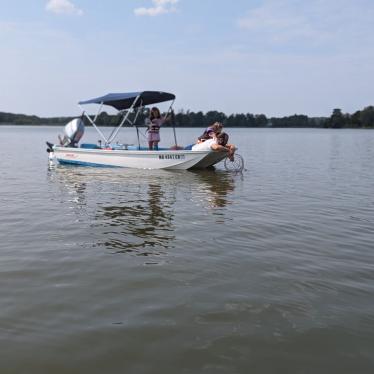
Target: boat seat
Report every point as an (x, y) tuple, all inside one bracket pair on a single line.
[(89, 146), (136, 148)]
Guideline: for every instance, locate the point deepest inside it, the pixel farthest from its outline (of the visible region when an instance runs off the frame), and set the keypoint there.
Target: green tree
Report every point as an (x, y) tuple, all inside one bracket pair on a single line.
[(367, 117), (355, 120), (337, 119), (261, 120)]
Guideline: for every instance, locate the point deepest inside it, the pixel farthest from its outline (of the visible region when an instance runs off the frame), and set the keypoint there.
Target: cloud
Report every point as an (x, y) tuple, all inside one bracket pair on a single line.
[(63, 7), (159, 7), (309, 24), (277, 22)]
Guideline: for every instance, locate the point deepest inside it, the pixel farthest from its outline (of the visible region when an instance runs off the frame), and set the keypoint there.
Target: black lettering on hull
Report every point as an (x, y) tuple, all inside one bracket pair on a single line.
[(171, 157)]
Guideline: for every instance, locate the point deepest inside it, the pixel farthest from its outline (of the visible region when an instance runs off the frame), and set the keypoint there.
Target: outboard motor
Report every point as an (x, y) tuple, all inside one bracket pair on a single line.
[(73, 132)]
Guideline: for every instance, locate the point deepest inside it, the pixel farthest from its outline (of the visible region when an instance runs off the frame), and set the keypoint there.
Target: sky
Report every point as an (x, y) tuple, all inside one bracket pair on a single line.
[(275, 57)]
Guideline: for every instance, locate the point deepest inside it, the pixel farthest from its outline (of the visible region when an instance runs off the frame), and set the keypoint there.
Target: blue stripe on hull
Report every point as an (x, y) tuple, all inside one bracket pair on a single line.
[(82, 163)]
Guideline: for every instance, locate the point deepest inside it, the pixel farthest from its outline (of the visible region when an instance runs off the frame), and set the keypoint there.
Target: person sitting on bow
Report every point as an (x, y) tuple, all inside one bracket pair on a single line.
[(205, 135), (217, 140)]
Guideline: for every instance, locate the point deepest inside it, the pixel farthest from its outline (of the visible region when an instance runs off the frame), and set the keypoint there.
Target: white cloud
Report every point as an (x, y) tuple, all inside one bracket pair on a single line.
[(63, 7), (277, 22), (159, 7), (316, 23)]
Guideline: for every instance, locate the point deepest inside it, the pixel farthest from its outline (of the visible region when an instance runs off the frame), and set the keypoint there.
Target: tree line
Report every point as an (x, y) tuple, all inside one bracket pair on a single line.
[(360, 119), (24, 119)]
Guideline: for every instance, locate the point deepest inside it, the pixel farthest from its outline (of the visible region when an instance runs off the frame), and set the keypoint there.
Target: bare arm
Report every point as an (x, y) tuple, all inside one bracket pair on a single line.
[(220, 148)]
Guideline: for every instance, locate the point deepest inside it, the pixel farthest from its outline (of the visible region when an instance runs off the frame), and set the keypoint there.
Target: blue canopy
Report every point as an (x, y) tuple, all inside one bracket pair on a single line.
[(122, 101)]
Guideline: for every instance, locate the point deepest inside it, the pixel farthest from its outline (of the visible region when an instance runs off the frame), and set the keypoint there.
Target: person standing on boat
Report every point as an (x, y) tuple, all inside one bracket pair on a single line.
[(154, 122)]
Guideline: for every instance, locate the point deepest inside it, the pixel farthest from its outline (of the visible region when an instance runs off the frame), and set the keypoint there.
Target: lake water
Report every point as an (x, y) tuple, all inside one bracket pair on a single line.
[(137, 271)]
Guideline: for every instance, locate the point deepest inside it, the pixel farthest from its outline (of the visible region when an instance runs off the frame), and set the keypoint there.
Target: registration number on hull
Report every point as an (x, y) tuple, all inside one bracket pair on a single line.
[(171, 157)]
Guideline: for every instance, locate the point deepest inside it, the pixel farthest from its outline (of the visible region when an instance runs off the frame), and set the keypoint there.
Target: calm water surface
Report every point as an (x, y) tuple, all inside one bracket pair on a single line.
[(132, 271)]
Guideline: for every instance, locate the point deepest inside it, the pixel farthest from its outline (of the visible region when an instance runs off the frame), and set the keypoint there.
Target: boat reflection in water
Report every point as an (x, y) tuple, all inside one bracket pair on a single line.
[(138, 222), (213, 187), (137, 211)]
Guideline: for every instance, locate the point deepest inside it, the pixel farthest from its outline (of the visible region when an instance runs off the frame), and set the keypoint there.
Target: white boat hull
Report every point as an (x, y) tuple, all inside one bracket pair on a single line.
[(164, 159)]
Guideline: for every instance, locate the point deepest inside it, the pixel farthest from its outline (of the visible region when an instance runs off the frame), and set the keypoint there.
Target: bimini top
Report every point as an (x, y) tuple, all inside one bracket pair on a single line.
[(122, 101)]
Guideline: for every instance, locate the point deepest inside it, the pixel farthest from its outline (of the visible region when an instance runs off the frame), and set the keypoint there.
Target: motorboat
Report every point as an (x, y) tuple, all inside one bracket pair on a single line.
[(108, 153)]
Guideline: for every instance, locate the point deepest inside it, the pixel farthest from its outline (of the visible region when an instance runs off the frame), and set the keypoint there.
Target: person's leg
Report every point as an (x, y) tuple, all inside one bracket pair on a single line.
[(232, 150), (155, 146), (150, 145)]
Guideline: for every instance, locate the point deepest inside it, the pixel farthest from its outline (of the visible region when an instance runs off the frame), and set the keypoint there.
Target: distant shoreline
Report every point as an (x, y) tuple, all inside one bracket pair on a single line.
[(198, 127), (361, 119)]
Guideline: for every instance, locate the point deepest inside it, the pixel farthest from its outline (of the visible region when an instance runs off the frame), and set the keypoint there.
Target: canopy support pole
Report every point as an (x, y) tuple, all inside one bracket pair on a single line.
[(175, 134), (125, 118), (98, 112), (94, 124), (134, 122), (137, 133)]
